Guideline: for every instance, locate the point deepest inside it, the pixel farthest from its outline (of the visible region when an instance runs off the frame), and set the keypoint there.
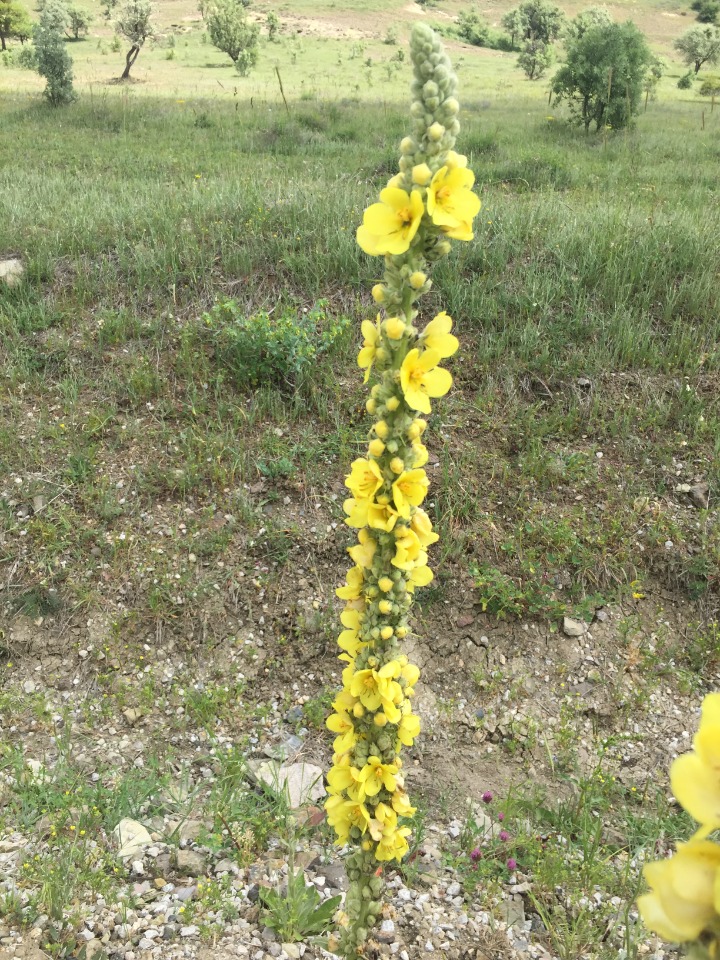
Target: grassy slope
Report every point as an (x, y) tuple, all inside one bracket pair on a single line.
[(140, 479)]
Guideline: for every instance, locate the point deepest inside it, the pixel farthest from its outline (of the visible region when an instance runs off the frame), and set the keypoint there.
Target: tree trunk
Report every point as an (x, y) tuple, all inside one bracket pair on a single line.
[(2, 39), (130, 59), (698, 64)]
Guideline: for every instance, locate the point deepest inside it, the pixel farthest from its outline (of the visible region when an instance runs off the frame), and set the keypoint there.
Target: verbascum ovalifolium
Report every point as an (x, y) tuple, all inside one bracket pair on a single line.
[(428, 203), (683, 905)]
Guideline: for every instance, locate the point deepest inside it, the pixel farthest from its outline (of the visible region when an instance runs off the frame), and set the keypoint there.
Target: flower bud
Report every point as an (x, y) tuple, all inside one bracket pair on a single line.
[(358, 711), (436, 132), (370, 405), (418, 279), (378, 293), (392, 403), (397, 465), (376, 447), (385, 607), (451, 106), (443, 248), (380, 719), (386, 632), (381, 428), (381, 355), (407, 145), (394, 328), (401, 632), (421, 174), (385, 584)]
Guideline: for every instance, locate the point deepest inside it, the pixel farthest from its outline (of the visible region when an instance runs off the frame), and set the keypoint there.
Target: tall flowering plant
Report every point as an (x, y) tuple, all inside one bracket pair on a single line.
[(428, 203), (683, 904)]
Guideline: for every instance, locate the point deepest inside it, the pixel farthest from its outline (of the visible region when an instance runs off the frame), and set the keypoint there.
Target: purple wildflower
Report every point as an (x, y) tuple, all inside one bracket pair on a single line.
[(501, 816), (512, 865), (504, 836), (487, 797), (476, 854)]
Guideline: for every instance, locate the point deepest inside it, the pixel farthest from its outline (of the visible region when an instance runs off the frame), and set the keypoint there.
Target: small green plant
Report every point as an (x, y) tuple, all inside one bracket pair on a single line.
[(505, 596), (269, 349), (273, 26), (686, 81), (710, 87), (300, 913)]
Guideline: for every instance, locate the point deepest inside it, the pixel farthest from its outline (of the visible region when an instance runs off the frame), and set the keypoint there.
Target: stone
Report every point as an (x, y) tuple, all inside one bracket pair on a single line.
[(573, 628), (301, 782), (131, 837), (224, 866), (29, 686), (190, 931), (292, 950), (512, 911), (386, 933), (700, 495), (132, 715), (190, 863), (11, 271)]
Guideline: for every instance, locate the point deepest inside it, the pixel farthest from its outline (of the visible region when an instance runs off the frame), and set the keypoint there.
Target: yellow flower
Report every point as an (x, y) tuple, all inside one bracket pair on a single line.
[(401, 804), (383, 823), (421, 378), (437, 336), (353, 585), (684, 892), (408, 549), (375, 775), (365, 479), (366, 357), (408, 729), (382, 516), (420, 454), (341, 724), (695, 777), (419, 577), (451, 203), (378, 688), (343, 775), (393, 847), (422, 528), (410, 489), (344, 814), (389, 226)]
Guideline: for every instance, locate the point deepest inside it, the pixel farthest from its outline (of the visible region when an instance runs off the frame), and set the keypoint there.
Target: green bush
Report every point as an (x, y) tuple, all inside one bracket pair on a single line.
[(53, 61), (710, 87), (686, 81), (271, 349)]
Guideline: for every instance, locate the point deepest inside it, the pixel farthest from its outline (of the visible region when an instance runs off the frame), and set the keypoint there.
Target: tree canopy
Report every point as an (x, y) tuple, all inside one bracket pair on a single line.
[(534, 20), (14, 22), (134, 22), (604, 75), (230, 31), (699, 45)]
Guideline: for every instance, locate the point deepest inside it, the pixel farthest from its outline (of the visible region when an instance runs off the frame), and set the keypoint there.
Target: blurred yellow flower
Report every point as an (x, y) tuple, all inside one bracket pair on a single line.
[(451, 203), (695, 777), (684, 892)]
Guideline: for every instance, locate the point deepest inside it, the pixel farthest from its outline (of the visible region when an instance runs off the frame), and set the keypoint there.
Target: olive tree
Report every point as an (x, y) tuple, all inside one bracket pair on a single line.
[(134, 22), (14, 23), (604, 74), (699, 45), (52, 61), (230, 31)]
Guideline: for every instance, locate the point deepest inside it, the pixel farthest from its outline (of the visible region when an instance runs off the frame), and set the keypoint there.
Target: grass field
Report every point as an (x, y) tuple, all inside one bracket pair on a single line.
[(149, 485)]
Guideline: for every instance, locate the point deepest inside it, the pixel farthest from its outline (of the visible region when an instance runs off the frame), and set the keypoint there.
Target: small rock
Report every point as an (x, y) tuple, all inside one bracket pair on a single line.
[(191, 931), (138, 868), (300, 782), (700, 495), (29, 686), (574, 628), (224, 866), (132, 715), (190, 863), (131, 837), (386, 933), (11, 270), (513, 911), (292, 950)]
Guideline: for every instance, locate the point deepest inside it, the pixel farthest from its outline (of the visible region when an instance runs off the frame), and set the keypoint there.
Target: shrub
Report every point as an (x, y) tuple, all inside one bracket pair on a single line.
[(686, 81), (53, 62), (710, 87), (265, 348)]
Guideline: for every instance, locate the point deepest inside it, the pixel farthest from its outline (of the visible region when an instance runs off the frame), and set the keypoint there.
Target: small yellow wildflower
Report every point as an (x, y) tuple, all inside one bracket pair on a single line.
[(421, 378), (389, 226)]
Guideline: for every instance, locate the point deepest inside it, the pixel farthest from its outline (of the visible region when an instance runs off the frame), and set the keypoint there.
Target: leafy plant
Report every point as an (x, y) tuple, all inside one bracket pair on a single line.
[(262, 348), (52, 60), (300, 913)]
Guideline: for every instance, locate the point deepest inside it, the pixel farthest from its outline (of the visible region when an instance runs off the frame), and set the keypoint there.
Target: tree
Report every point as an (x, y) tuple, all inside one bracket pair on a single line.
[(229, 31), (592, 17), (603, 77), (273, 27), (135, 24), (535, 58), (14, 23), (699, 45), (52, 59), (78, 23), (473, 29), (534, 20), (707, 10), (514, 23)]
